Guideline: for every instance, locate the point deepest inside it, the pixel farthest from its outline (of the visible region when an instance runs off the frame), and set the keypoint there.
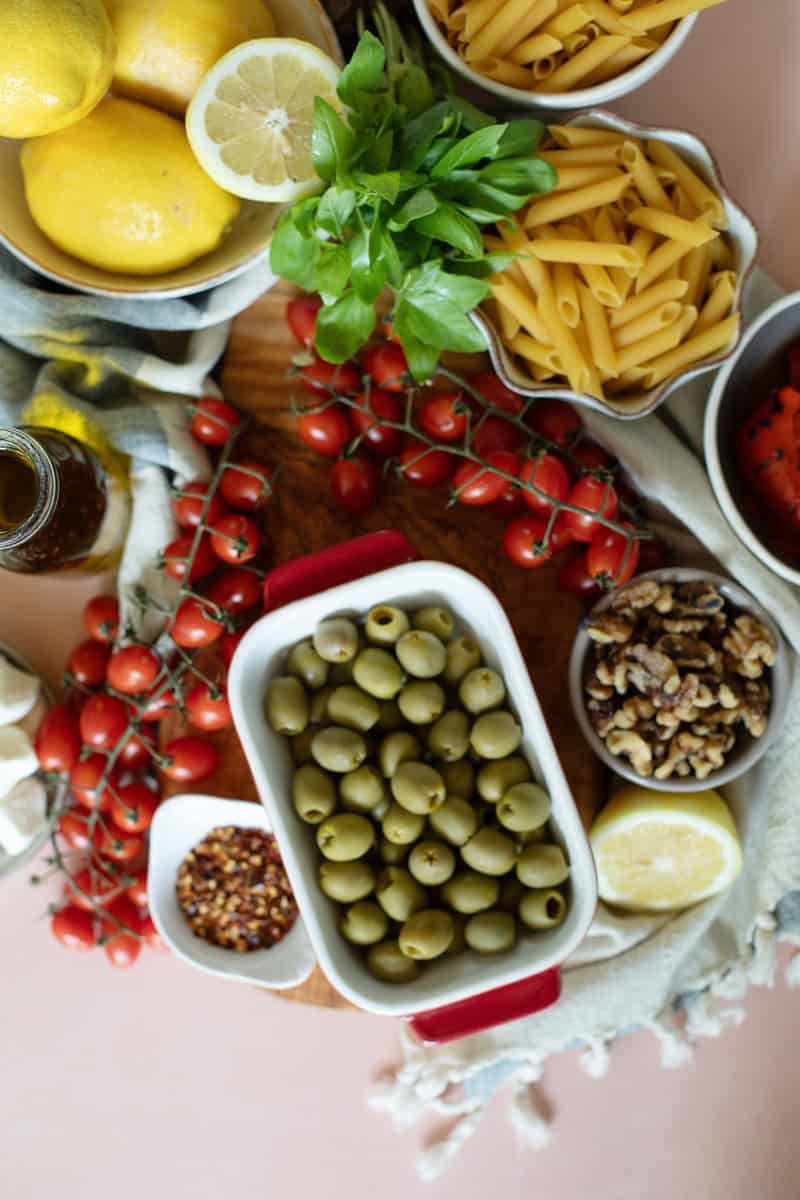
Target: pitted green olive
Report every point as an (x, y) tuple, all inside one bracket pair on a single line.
[(306, 664), (336, 640), (378, 673), (495, 735), (364, 924), (418, 787), (491, 932), (455, 821), (490, 852), (421, 701), (462, 654), (542, 866), (421, 654), (431, 863), (313, 794), (337, 749), (524, 807), (481, 689), (346, 882), (387, 962), (427, 934), (470, 893), (459, 777), (301, 746), (345, 837), (362, 790), (385, 624), (400, 826), (399, 894), (353, 708), (318, 711), (435, 620), (287, 705), (395, 749), (543, 908), (448, 738), (496, 778)]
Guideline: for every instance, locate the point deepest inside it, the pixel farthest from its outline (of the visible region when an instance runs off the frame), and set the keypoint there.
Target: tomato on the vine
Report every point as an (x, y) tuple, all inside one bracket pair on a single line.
[(560, 535), (329, 379), (74, 927), (122, 946), (58, 739), (235, 538), (137, 750), (495, 433), (118, 844), (74, 829), (84, 779), (176, 556), (208, 709), (122, 949), (150, 935), (137, 890), (588, 456), (423, 467), (523, 541), (495, 393), (91, 887), (612, 558), (380, 439), (575, 579), (103, 721), (554, 420), (301, 316), (194, 625), (509, 503), (188, 505), (246, 485), (475, 484), (327, 432), (161, 703), (355, 484), (549, 475), (189, 759), (133, 807), (133, 669), (88, 661), (101, 618), (235, 589), (387, 366), (595, 496), (444, 417), (213, 421)]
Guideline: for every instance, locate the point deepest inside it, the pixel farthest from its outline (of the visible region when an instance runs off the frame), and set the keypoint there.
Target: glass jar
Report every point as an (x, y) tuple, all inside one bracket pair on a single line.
[(60, 509)]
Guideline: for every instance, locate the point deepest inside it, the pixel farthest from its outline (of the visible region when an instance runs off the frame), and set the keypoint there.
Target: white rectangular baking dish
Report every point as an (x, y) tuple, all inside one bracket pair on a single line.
[(478, 613)]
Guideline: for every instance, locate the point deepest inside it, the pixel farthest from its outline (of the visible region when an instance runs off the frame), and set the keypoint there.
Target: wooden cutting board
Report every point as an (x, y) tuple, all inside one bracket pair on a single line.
[(303, 517)]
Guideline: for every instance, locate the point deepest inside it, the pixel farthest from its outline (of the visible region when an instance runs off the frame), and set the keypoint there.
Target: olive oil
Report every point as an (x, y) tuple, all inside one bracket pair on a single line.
[(18, 490)]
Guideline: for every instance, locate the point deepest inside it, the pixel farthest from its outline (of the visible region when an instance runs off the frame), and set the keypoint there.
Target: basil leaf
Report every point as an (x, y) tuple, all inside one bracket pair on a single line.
[(492, 199), (415, 92), (331, 140), (481, 268), (389, 255), (343, 327), (369, 272), (448, 225), (471, 117), (417, 135), (413, 248), (526, 176), (442, 324), (364, 72), (385, 185), (422, 359), (482, 143), (377, 153), (332, 273), (335, 209), (421, 204), (292, 254), (432, 280), (521, 137)]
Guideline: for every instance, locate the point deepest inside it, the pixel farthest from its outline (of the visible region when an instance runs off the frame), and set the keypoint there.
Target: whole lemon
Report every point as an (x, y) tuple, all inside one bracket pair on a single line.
[(122, 190), (56, 63), (165, 47)]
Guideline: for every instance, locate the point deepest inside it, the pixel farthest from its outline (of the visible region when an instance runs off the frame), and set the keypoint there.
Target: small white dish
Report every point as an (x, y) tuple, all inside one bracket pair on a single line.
[(179, 824)]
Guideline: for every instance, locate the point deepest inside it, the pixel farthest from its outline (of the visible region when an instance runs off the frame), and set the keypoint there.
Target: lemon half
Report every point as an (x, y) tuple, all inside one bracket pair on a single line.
[(250, 121), (662, 851)]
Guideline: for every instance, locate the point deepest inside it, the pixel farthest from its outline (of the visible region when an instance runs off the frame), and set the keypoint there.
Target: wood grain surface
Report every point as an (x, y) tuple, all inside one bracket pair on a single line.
[(303, 517)]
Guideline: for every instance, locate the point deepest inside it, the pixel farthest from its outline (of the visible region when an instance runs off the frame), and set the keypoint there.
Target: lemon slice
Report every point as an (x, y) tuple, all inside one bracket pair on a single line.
[(658, 851), (250, 120)]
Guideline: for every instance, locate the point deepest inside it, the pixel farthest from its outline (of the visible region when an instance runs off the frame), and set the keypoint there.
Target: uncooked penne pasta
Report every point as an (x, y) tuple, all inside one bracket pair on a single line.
[(512, 297), (668, 225), (696, 272), (572, 72), (721, 255), (642, 243), (718, 337), (648, 187), (485, 43), (649, 348), (556, 208), (471, 17), (570, 20), (659, 261), (540, 45), (662, 32), (637, 306), (719, 303), (608, 18), (575, 367), (650, 322), (581, 156), (683, 205), (543, 356), (621, 6), (652, 15), (625, 58), (505, 72), (440, 10), (570, 178), (509, 325), (537, 13), (577, 135), (594, 318), (576, 42), (707, 202), (599, 254), (601, 285), (566, 290), (543, 67)]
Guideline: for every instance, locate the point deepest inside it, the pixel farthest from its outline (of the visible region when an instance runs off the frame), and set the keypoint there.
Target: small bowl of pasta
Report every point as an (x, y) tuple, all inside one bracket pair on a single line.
[(553, 55), (626, 280)]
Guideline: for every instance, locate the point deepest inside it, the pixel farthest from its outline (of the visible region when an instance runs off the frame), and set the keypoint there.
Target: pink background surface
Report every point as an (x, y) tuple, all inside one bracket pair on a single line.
[(163, 1080)]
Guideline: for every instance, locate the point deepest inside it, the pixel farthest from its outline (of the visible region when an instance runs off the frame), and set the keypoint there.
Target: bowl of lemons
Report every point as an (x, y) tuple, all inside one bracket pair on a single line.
[(147, 146)]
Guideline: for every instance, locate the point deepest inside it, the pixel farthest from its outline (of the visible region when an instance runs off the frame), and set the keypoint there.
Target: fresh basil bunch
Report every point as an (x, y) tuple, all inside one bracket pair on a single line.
[(411, 175)]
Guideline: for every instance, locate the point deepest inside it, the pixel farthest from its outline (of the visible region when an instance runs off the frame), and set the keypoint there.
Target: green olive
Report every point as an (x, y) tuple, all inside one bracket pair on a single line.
[(421, 701), (481, 689), (427, 934), (455, 821), (421, 654), (387, 962), (385, 624), (470, 893), (459, 777), (495, 735), (318, 712), (418, 787), (542, 866), (395, 749), (313, 794), (364, 924), (496, 778), (542, 909), (301, 746), (400, 826), (490, 852), (448, 738), (431, 863), (399, 894), (491, 932), (524, 807), (306, 664), (362, 790), (391, 719), (287, 705), (351, 707), (434, 620), (346, 882), (511, 893), (378, 673), (336, 640), (461, 656), (392, 855), (337, 749), (345, 837)]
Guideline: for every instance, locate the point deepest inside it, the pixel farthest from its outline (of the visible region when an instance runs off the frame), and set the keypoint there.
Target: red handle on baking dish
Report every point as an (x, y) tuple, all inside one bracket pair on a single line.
[(342, 564)]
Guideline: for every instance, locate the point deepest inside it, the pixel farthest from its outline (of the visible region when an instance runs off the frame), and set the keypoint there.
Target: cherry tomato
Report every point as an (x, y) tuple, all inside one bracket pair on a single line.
[(425, 469), (159, 706), (588, 456), (58, 739), (230, 641), (652, 554), (133, 807), (329, 379), (549, 475), (235, 538), (208, 710), (213, 421), (135, 753), (137, 891), (150, 935), (246, 485), (101, 618), (381, 440), (84, 779), (301, 316), (326, 432), (74, 928), (74, 829), (119, 844), (574, 578), (133, 669), (387, 366), (510, 502), (88, 661), (495, 392), (189, 759), (494, 433), (355, 484), (595, 496), (560, 535), (235, 589), (91, 887), (556, 421), (523, 541), (476, 485), (103, 721), (444, 417), (188, 505), (195, 625), (612, 558), (177, 553), (388, 331), (125, 911), (122, 950)]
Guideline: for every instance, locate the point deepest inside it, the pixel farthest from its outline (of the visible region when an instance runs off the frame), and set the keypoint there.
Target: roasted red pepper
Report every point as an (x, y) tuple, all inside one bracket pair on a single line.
[(768, 449)]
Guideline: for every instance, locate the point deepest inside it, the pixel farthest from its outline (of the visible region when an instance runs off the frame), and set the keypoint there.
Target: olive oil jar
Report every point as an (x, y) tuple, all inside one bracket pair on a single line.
[(61, 508)]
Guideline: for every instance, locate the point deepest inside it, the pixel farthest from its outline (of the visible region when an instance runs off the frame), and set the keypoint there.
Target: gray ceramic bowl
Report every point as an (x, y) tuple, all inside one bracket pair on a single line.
[(748, 750)]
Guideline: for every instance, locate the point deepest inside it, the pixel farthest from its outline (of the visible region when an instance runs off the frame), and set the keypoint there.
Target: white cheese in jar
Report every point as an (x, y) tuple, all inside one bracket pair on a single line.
[(23, 814), (19, 692)]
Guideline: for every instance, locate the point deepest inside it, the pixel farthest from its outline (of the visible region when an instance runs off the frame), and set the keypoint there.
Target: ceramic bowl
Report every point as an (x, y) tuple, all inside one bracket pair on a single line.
[(748, 750), (758, 366), (550, 105), (179, 824), (246, 244), (741, 234)]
